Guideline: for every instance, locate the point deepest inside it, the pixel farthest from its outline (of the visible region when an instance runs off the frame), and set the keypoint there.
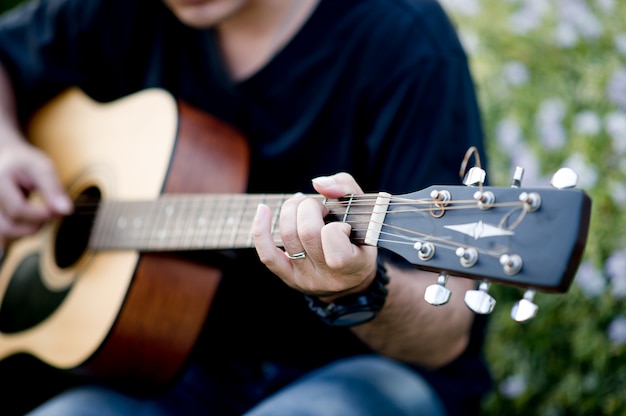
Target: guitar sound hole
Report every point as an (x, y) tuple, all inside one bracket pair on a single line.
[(73, 235)]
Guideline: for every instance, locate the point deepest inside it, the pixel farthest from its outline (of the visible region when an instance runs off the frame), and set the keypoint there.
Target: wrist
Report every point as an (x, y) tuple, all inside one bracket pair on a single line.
[(354, 308), (360, 288)]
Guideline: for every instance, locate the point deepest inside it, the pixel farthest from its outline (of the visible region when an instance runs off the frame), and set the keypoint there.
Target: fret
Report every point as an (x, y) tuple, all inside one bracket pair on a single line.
[(244, 229), (176, 225), (105, 226), (276, 208), (144, 220), (218, 223), (203, 221), (244, 236), (193, 205), (133, 231), (162, 221), (233, 222)]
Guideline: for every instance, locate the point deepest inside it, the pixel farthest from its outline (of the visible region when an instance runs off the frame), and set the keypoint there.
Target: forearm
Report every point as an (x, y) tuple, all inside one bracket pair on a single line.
[(410, 329)]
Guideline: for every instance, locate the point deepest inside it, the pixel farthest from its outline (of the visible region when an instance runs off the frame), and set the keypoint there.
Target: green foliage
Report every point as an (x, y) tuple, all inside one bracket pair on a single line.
[(549, 83)]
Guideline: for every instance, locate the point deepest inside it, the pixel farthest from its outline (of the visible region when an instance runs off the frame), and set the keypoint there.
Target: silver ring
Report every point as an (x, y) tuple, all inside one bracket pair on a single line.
[(296, 256)]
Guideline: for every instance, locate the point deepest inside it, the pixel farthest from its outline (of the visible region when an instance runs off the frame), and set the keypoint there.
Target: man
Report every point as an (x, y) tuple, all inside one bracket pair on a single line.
[(376, 88)]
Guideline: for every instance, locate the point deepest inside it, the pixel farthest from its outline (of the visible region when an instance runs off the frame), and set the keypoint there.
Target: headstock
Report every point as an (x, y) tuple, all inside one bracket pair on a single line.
[(526, 237)]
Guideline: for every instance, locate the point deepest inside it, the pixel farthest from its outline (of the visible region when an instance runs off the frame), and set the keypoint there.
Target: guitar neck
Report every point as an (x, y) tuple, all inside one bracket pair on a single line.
[(496, 234), (203, 222)]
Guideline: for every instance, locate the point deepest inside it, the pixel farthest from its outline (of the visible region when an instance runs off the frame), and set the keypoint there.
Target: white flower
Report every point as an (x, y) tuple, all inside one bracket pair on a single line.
[(616, 127), (587, 173), (588, 123), (513, 386), (616, 90), (515, 73), (618, 190), (548, 122), (620, 43), (616, 332), (590, 281), (577, 13), (508, 133), (552, 135), (524, 20), (551, 109), (615, 268), (565, 35), (607, 6)]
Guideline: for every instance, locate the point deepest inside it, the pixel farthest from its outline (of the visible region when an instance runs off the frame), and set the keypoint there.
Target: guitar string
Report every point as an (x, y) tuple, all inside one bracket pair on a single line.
[(92, 208), (365, 201)]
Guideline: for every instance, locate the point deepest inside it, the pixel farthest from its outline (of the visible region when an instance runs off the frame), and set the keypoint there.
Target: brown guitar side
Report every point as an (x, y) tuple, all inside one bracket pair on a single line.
[(170, 297)]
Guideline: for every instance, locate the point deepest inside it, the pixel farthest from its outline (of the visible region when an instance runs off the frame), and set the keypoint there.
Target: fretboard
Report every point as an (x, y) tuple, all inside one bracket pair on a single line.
[(201, 222)]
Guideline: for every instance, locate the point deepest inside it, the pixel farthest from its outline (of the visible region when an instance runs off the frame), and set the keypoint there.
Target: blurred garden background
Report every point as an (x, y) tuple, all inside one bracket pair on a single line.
[(551, 78)]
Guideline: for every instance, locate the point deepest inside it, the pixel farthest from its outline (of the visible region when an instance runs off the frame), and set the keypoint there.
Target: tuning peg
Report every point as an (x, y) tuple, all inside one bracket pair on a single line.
[(511, 263), (467, 256), (517, 177), (564, 178), (474, 177), (525, 309), (425, 250), (438, 294), (480, 301)]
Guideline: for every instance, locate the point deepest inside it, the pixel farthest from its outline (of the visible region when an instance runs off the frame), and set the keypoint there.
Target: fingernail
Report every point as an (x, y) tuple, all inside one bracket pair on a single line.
[(324, 181), (62, 204)]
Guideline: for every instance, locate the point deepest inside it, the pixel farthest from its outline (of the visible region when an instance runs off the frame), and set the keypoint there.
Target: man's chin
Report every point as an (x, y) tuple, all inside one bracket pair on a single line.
[(202, 14)]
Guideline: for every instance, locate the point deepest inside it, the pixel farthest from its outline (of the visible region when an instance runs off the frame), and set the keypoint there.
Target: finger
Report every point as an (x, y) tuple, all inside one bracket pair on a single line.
[(270, 255), (310, 220), (10, 229), (341, 255), (288, 224), (54, 196), (337, 185), (17, 207)]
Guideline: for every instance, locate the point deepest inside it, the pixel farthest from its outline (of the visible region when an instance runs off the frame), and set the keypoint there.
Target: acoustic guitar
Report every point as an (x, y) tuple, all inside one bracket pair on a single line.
[(104, 292)]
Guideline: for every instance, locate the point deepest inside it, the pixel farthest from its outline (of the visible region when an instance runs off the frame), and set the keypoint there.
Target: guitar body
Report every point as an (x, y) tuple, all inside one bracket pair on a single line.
[(122, 316)]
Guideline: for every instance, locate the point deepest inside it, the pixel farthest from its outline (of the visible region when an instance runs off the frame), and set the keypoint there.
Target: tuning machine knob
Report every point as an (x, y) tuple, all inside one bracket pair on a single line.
[(438, 294), (475, 177), (564, 178), (480, 301), (518, 175), (525, 309)]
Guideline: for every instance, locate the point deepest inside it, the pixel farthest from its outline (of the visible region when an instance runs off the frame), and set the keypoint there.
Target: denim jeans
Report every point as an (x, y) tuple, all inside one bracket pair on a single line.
[(359, 386)]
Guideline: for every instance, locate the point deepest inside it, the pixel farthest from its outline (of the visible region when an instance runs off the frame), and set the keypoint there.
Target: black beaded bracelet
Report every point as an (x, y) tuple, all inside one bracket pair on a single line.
[(357, 308)]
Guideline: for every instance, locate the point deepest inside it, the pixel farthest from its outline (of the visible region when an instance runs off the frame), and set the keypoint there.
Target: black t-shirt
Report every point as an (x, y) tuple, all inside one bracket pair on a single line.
[(377, 88)]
